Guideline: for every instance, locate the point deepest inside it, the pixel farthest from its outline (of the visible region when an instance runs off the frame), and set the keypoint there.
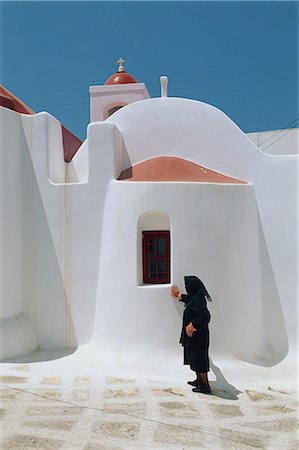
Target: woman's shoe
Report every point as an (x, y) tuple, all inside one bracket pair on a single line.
[(202, 389), (194, 383)]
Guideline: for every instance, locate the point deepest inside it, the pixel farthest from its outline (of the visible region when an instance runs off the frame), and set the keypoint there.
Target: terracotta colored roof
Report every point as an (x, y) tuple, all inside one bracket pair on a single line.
[(71, 143), (170, 168), (10, 101), (121, 78)]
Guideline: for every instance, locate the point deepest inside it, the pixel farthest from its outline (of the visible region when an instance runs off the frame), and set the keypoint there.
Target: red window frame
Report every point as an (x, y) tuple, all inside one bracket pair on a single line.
[(156, 257)]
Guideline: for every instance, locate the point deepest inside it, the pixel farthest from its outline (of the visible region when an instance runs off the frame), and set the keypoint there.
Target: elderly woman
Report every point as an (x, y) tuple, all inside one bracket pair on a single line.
[(195, 332)]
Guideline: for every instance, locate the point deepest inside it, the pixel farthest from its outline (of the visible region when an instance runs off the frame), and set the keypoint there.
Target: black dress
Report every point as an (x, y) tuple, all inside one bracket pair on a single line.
[(196, 348)]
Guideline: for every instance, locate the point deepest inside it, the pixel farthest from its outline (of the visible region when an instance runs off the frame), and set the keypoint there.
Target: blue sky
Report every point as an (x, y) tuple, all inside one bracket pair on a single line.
[(241, 57)]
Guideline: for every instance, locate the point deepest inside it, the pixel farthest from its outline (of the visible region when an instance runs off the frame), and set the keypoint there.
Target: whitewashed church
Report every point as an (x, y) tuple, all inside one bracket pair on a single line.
[(94, 234)]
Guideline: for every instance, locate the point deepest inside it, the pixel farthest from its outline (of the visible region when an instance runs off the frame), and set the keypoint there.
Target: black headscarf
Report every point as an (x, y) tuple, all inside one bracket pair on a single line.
[(197, 293), (195, 286)]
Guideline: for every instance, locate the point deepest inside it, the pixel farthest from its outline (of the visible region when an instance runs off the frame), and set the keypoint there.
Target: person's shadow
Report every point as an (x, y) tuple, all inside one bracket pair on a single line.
[(221, 387)]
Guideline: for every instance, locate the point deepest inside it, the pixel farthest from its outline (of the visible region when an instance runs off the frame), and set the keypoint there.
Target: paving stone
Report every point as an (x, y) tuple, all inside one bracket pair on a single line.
[(51, 380), (125, 430), (9, 395), (54, 425), (274, 409), (91, 446), (48, 393), (23, 368), (83, 380), (226, 410), (275, 425), (30, 442), (241, 440), (256, 396), (127, 408), (2, 412), (113, 380), (81, 394), (177, 409), (186, 436), (292, 445), (167, 391), (10, 379), (53, 410), (110, 393)]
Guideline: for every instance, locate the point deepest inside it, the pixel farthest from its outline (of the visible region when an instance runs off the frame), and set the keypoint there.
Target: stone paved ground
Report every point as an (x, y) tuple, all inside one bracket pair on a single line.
[(47, 409)]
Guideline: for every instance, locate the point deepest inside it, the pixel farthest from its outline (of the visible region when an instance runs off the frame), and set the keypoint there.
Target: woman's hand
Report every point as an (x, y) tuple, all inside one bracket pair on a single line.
[(190, 329), (175, 292)]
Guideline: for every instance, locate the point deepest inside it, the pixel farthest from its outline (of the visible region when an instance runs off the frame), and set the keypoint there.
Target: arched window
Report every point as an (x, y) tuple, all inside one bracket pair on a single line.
[(114, 109), (156, 256), (111, 109), (154, 246)]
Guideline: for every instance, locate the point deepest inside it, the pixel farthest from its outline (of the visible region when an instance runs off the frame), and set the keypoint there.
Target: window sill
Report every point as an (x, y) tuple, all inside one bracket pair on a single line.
[(154, 285)]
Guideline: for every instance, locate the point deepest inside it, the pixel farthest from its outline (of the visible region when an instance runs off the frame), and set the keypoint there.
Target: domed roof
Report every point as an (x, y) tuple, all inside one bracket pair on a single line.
[(170, 168), (121, 76)]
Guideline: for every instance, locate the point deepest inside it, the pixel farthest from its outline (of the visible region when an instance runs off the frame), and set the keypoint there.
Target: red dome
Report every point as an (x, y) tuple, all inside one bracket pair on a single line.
[(121, 78)]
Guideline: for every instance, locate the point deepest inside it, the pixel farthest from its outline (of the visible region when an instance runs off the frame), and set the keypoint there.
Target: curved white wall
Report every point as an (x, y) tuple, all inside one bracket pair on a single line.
[(204, 134), (225, 253)]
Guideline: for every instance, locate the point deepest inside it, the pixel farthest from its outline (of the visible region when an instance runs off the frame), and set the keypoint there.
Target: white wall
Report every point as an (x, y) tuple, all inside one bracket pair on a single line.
[(205, 241), (242, 239), (204, 134), (277, 142), (17, 333)]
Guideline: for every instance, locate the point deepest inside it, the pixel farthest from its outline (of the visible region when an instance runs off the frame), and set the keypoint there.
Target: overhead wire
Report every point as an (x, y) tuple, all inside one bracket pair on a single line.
[(157, 94), (147, 81), (280, 137), (147, 75), (174, 84)]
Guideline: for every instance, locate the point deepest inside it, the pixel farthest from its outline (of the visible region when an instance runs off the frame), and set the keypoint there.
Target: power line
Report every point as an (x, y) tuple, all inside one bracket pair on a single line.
[(174, 83), (147, 75), (158, 95), (176, 88), (280, 137)]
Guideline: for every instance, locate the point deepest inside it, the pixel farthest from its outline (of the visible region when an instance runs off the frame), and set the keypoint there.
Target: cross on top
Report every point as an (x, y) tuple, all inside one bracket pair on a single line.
[(121, 68)]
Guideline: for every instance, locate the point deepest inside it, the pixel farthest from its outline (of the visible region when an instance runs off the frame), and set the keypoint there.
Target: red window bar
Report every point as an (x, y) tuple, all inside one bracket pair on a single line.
[(156, 257)]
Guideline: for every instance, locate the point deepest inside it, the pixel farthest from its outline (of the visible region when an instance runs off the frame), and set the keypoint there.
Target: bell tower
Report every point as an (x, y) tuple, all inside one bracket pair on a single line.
[(119, 90)]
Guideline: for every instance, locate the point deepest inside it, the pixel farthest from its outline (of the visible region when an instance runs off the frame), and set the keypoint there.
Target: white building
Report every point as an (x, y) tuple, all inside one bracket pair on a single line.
[(162, 188)]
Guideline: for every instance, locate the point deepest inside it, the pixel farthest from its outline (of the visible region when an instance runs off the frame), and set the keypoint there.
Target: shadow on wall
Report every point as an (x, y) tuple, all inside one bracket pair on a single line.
[(247, 319), (46, 285), (275, 345)]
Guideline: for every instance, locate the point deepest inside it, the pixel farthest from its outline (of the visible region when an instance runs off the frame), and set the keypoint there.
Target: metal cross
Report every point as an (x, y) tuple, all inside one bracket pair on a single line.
[(120, 61)]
